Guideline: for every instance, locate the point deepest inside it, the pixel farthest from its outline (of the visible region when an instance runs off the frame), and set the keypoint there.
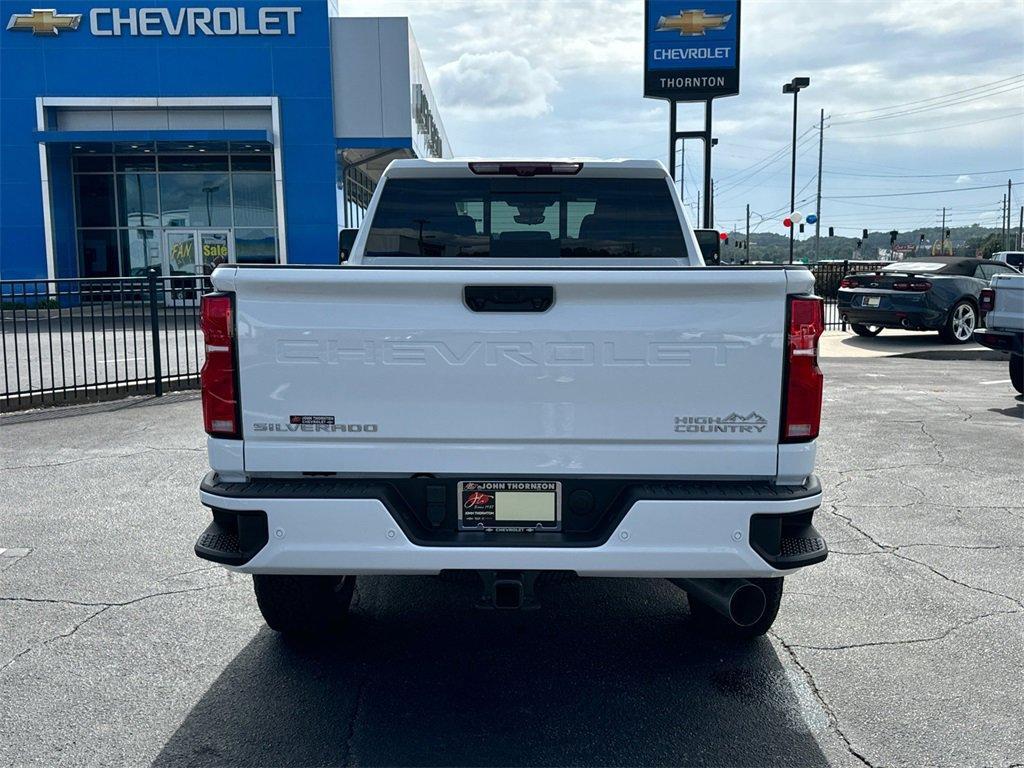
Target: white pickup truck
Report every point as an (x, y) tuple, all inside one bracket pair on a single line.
[(1003, 306), (523, 369)]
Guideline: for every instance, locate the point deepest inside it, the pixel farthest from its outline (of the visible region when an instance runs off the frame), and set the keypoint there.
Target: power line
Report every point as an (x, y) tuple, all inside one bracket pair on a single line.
[(930, 107), (921, 175), (805, 144), (925, 192), (770, 157), (932, 98), (872, 136)]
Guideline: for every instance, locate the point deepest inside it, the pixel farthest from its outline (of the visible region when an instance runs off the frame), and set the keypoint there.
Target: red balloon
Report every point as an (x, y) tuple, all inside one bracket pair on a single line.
[(787, 222), (723, 235)]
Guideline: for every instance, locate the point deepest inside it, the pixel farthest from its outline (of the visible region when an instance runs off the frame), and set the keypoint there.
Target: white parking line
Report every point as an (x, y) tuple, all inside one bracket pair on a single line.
[(997, 381)]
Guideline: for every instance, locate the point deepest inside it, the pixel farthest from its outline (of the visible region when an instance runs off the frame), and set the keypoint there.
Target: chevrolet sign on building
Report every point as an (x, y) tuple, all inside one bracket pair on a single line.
[(181, 135), (44, 22), (193, 21), (107, 22)]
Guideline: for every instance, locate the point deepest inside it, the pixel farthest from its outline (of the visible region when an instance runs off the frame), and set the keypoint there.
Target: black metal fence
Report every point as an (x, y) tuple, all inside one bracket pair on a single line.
[(80, 340), (827, 275)]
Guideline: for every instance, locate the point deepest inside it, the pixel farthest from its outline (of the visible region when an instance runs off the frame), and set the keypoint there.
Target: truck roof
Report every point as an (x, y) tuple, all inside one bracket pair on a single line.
[(590, 166)]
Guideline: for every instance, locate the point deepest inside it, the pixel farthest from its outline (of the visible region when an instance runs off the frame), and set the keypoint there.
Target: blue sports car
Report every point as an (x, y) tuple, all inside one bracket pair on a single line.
[(935, 293)]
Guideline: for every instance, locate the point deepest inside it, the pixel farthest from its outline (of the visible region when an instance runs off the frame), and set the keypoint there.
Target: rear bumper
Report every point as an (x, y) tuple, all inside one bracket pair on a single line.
[(672, 530), (914, 319), (898, 310), (1001, 341)]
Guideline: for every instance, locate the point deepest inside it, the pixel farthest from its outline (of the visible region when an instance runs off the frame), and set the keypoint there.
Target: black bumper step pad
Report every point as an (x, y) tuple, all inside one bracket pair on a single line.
[(233, 538), (787, 540)]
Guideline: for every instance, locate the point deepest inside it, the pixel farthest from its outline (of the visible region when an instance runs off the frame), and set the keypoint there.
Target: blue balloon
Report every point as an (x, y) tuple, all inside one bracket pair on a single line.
[(811, 218)]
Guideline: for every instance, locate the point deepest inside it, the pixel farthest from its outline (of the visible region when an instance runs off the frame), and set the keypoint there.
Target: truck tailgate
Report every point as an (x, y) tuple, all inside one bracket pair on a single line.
[(631, 372)]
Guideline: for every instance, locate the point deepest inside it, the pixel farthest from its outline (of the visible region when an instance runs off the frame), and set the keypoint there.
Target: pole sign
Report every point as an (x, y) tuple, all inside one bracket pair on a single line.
[(691, 49)]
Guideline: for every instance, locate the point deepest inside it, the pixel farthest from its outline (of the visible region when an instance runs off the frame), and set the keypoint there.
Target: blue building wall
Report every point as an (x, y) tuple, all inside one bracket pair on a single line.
[(74, 63)]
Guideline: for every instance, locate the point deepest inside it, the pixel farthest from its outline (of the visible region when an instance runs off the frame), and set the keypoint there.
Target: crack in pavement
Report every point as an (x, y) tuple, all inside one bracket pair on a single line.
[(969, 547), (103, 457), (102, 608), (829, 711), (909, 641), (47, 641), (890, 549)]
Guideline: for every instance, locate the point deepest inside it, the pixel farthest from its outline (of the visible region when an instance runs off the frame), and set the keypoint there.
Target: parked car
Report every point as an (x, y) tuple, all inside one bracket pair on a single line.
[(1003, 305), (1014, 258), (515, 373), (934, 293)]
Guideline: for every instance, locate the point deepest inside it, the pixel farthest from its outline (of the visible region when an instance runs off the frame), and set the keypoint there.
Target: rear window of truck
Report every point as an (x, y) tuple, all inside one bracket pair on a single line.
[(542, 218)]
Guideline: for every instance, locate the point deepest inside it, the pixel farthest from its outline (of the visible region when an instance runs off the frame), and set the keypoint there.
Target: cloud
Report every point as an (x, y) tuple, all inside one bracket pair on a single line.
[(963, 179), (498, 84)]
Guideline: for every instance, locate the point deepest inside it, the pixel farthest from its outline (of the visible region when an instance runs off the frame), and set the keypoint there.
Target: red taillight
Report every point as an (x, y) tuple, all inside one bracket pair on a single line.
[(987, 300), (915, 285), (848, 282), (220, 396), (802, 406)]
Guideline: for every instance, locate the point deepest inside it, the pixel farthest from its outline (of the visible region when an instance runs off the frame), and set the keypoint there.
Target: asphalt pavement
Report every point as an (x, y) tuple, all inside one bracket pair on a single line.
[(118, 647)]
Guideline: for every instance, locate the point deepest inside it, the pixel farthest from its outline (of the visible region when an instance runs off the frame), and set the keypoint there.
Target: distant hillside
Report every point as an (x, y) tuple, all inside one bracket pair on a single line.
[(966, 241)]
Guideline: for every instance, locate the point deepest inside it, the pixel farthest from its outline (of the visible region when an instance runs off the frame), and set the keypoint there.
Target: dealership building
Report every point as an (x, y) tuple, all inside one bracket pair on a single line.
[(179, 135)]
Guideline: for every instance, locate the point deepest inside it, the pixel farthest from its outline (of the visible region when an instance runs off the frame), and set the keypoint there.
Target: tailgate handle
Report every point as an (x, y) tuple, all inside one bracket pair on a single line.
[(509, 298)]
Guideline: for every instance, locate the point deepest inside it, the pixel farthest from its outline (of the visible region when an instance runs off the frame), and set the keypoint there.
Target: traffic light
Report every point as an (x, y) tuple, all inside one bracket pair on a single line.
[(892, 237), (801, 227), (859, 243), (831, 231), (864, 235)]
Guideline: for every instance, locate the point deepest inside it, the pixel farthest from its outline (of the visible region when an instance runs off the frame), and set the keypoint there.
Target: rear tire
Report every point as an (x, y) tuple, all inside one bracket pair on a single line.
[(304, 605), (865, 330), (1017, 372), (714, 623), (960, 323)]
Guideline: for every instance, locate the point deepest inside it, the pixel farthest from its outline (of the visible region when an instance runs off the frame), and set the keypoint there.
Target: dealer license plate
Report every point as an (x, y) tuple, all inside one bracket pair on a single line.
[(872, 301), (510, 505)]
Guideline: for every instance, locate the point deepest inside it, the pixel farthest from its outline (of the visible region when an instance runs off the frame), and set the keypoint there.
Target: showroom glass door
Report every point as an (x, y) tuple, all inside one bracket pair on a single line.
[(192, 254)]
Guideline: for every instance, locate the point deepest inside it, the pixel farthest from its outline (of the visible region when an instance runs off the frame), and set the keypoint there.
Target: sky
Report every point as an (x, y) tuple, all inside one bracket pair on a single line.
[(923, 100)]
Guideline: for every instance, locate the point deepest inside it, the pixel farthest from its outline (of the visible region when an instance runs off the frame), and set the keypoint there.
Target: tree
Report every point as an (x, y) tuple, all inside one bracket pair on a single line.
[(990, 244)]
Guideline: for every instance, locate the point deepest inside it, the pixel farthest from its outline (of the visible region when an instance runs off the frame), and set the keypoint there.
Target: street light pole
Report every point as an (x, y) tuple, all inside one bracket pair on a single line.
[(794, 86)]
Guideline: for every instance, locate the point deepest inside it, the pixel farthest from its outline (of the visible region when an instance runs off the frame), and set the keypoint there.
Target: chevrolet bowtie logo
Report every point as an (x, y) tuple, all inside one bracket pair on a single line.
[(693, 22), (44, 21)]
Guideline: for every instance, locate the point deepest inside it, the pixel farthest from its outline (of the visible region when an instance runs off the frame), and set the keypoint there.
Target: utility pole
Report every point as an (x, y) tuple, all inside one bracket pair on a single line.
[(942, 248), (682, 171), (1020, 229), (698, 204), (747, 247), (817, 207), (711, 202), (1002, 222), (1009, 202)]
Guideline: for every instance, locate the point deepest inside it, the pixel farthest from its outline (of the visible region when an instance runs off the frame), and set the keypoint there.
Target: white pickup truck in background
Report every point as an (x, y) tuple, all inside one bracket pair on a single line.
[(1003, 306), (523, 369)]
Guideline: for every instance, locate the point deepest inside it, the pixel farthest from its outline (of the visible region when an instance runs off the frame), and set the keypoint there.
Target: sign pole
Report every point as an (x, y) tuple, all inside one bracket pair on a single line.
[(707, 164), (692, 55), (672, 141)]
